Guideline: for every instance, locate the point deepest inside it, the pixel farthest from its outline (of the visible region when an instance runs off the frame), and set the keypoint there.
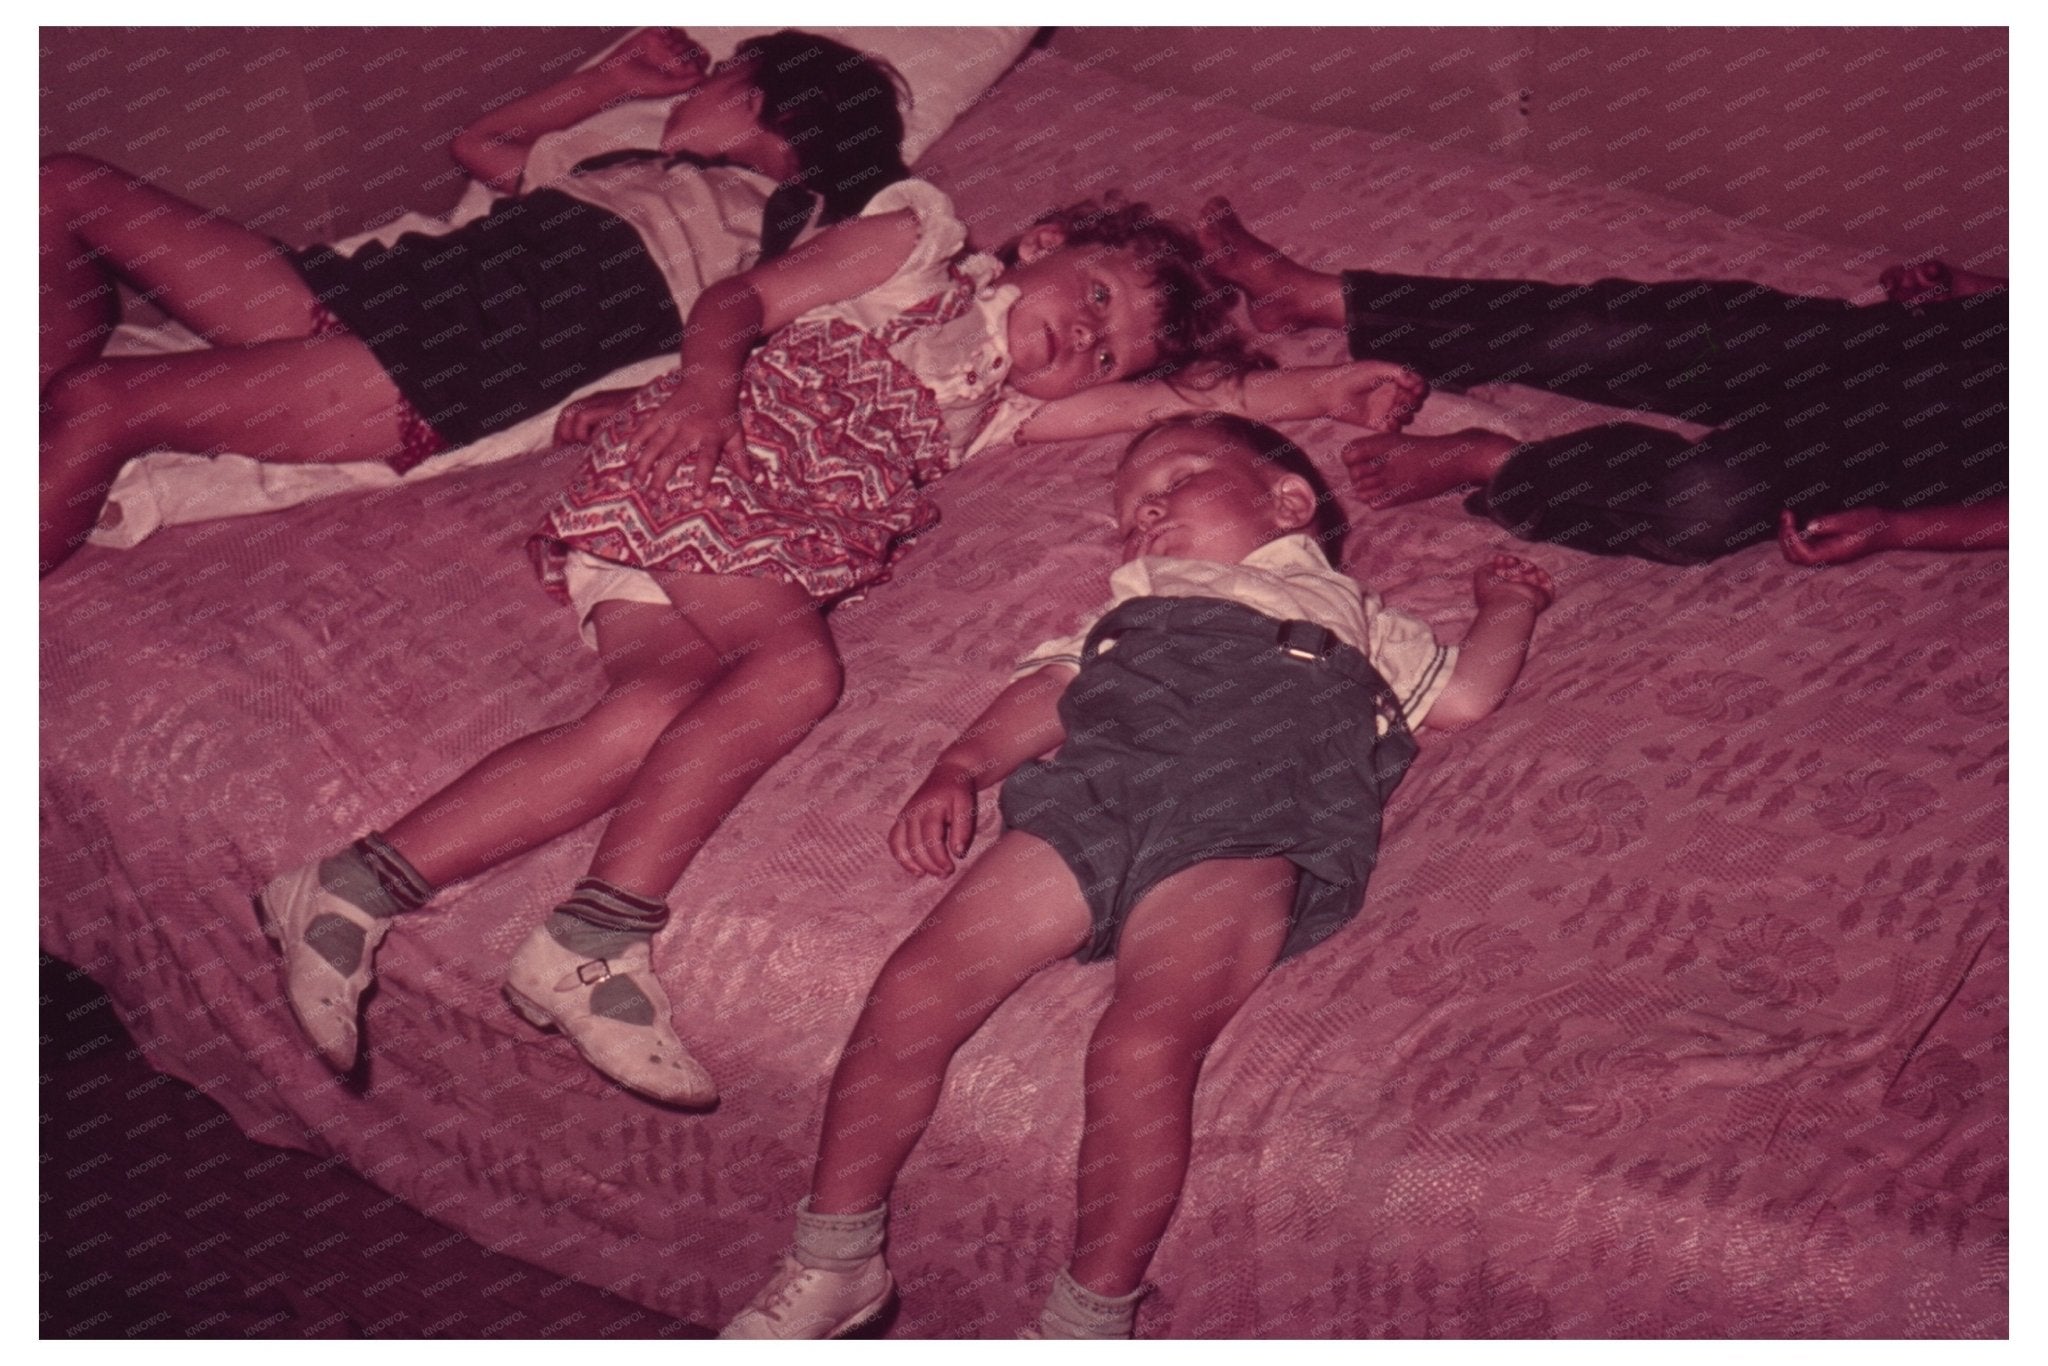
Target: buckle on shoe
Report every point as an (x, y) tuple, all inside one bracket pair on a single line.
[(1305, 640), (584, 974)]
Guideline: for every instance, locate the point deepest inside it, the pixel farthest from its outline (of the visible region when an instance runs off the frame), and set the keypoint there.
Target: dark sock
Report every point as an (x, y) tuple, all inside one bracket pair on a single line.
[(377, 880), (602, 921), (374, 877)]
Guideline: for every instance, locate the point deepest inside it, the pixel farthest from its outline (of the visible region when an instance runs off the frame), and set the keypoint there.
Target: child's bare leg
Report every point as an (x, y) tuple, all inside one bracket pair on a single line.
[(769, 674), (1191, 954), (1281, 292), (311, 400), (1387, 471), (230, 285), (548, 783), (781, 677), (1015, 911)]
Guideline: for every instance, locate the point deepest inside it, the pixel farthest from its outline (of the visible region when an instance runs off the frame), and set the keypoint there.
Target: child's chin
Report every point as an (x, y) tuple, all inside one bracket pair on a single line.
[(1058, 380)]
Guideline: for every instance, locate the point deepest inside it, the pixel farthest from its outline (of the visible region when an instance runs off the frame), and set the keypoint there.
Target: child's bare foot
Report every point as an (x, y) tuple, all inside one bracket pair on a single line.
[(1282, 293), (1928, 282), (1387, 471), (1508, 577)]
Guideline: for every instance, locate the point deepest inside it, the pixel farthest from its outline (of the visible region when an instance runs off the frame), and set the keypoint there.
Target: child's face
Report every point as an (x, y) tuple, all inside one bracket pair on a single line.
[(721, 118), (1088, 315), (1195, 494)]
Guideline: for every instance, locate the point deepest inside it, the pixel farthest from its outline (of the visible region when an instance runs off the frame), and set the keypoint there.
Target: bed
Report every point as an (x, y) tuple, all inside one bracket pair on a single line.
[(1677, 1009)]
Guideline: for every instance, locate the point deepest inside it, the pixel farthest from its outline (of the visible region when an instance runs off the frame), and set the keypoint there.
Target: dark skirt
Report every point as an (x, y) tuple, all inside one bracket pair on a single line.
[(505, 316)]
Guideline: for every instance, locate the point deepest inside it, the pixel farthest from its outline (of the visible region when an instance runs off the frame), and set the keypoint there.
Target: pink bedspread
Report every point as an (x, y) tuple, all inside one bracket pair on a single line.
[(1678, 1006)]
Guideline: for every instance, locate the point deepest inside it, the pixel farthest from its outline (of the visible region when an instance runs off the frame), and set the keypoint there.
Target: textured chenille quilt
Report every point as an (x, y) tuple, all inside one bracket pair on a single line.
[(1677, 1009)]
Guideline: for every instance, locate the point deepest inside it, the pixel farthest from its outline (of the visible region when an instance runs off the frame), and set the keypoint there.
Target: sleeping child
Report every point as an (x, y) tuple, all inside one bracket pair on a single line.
[(1229, 729), (719, 512)]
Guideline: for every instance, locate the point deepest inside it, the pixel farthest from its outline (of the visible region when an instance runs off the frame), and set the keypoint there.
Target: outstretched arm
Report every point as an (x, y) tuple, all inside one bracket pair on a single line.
[(1839, 537), (1511, 593), (652, 63), (1376, 395), (937, 823)]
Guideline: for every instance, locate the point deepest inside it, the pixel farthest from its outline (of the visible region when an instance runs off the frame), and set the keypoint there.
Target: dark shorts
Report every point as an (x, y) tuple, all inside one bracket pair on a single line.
[(1200, 737), (505, 316)]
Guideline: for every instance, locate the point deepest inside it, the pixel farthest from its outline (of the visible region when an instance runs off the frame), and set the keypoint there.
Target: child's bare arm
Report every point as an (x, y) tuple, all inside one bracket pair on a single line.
[(1511, 593), (1367, 393), (730, 318), (651, 63), (937, 823), (1839, 537)]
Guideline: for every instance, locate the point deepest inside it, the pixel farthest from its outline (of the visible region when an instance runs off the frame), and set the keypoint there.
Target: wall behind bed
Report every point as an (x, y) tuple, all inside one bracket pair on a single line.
[(1893, 140)]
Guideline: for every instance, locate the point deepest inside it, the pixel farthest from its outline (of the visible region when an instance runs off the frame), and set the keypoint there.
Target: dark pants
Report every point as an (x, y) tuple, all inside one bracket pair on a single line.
[(1818, 405)]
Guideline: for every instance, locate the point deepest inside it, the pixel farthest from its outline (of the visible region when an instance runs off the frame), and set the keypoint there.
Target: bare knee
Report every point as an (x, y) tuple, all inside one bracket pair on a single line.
[(636, 711), (820, 682), (1159, 1034), (909, 987), (799, 677), (68, 179), (1152, 1043), (81, 409)]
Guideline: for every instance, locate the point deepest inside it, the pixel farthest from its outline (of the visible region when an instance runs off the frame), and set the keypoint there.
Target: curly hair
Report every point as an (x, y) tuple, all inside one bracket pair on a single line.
[(1329, 526), (1196, 328)]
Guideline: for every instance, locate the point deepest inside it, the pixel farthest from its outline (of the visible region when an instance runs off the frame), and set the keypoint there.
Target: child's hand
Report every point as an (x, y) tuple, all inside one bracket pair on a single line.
[(1834, 537), (1376, 395), (579, 421), (1507, 579), (1511, 593), (657, 61), (937, 823), (684, 428)]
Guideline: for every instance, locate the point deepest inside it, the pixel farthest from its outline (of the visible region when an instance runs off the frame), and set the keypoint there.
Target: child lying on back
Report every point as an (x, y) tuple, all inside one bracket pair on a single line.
[(719, 512), (1229, 730)]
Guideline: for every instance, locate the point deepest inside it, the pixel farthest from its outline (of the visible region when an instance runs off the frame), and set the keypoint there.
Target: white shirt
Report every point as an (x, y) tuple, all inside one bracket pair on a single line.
[(699, 226), (1288, 580), (963, 362)]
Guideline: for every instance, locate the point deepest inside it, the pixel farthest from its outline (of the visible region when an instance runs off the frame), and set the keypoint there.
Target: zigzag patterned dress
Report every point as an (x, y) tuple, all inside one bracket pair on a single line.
[(846, 414)]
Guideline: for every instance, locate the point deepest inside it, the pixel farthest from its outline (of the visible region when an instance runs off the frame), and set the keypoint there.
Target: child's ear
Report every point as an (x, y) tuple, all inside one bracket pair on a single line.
[(1293, 502), (1041, 240)]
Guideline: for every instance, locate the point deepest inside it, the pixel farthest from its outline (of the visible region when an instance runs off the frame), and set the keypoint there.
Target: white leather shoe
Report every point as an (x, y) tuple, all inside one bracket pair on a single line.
[(806, 1302), (614, 1011), (314, 929)]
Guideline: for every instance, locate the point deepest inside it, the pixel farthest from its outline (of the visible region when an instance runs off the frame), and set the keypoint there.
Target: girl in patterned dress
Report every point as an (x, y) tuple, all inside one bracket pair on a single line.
[(719, 512)]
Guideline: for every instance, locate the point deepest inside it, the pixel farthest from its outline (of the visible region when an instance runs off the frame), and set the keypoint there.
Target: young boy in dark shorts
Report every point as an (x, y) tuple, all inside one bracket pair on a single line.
[(1229, 730)]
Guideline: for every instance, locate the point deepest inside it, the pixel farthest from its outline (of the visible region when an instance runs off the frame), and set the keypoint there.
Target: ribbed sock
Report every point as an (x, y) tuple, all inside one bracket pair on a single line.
[(376, 879), (600, 921), (1075, 1311), (838, 1242)]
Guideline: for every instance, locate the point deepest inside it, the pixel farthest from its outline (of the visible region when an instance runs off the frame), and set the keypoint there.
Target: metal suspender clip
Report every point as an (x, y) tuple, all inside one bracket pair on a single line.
[(1305, 640)]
